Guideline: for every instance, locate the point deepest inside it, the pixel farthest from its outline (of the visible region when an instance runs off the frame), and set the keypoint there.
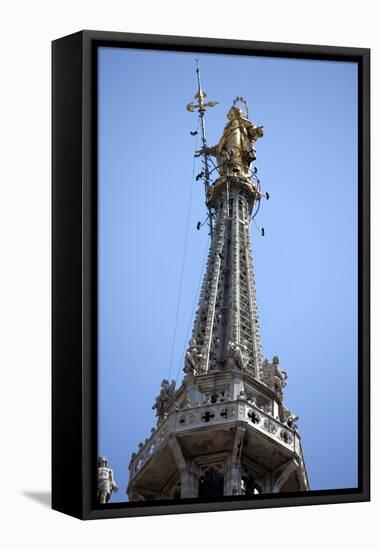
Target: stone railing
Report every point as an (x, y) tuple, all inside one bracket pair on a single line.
[(150, 446), (239, 410), (207, 415), (272, 427)]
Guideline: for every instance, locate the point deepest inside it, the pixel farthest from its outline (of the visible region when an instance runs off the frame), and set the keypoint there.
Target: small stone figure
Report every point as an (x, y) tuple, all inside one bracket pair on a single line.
[(290, 418), (291, 421), (237, 356), (242, 395), (105, 481), (274, 377), (194, 358), (166, 393)]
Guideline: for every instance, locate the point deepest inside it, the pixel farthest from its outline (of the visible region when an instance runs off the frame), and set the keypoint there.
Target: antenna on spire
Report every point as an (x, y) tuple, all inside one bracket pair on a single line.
[(201, 106)]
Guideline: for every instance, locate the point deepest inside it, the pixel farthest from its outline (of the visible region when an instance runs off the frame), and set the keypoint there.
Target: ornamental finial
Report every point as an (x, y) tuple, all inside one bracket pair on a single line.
[(200, 105)]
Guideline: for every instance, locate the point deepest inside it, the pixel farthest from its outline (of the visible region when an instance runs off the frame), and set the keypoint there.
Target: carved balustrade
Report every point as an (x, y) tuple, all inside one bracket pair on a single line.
[(212, 414)]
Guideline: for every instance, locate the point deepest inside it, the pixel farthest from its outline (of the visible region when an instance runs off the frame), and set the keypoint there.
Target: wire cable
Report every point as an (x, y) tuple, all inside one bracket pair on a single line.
[(183, 262), (193, 309)]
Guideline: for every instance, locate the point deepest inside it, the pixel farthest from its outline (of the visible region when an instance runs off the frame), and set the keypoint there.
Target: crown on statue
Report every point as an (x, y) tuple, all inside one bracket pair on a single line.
[(238, 101)]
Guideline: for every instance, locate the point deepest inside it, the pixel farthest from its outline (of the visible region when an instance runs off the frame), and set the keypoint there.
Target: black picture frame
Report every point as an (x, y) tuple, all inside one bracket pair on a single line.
[(74, 272)]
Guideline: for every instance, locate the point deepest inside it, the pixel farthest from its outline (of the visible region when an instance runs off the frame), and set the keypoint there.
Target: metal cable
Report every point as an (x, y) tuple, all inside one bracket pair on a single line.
[(193, 308), (183, 261)]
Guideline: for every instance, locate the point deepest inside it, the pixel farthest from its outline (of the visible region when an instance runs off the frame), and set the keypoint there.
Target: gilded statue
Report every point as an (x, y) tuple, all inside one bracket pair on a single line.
[(235, 151)]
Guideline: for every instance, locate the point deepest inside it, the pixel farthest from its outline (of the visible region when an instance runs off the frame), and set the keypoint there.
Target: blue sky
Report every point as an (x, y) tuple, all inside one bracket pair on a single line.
[(305, 265)]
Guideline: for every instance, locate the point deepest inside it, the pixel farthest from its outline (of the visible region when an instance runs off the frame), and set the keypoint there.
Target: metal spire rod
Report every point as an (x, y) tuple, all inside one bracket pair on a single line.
[(201, 106), (204, 143)]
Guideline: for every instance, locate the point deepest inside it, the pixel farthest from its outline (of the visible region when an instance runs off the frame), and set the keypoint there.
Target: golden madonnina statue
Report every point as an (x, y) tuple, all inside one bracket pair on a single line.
[(235, 151)]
